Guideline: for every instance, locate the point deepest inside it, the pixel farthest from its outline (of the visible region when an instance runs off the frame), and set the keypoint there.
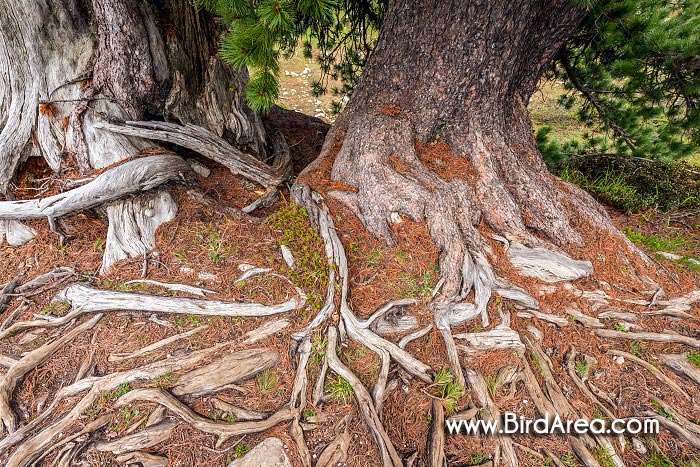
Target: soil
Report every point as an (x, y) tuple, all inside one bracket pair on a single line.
[(204, 248)]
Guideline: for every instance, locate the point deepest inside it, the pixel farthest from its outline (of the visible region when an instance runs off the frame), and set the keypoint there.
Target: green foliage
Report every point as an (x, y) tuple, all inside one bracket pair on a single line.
[(120, 391), (568, 459), (339, 389), (450, 390), (310, 271), (267, 381), (582, 367), (632, 74), (604, 458), (694, 358), (260, 32), (635, 185), (656, 242), (477, 458)]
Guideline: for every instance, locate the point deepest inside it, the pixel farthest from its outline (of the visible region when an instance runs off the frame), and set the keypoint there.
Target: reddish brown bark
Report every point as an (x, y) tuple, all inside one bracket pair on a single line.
[(458, 73)]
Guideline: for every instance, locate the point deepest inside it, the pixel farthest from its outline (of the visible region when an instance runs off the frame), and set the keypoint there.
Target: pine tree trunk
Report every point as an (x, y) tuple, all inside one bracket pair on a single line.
[(69, 66), (438, 130)]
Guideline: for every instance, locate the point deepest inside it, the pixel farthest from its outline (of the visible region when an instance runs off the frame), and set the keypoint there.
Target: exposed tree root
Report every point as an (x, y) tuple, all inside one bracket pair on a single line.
[(668, 337), (223, 430), (653, 370), (117, 357), (387, 452), (29, 362), (680, 365), (89, 299)]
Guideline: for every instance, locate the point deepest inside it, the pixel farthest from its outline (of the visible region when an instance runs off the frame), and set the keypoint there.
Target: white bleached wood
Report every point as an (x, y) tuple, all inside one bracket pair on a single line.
[(92, 299), (177, 287), (547, 265), (227, 370), (500, 337), (118, 357), (16, 233), (134, 176), (207, 144)]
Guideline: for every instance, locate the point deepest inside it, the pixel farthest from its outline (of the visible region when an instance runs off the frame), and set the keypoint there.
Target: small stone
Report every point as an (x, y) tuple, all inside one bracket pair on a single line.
[(269, 453), (288, 256), (619, 359), (395, 218), (186, 270), (639, 446), (199, 168)]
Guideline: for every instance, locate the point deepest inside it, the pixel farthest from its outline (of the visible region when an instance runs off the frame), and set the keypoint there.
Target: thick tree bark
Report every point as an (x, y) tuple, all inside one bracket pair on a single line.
[(69, 65), (438, 130)]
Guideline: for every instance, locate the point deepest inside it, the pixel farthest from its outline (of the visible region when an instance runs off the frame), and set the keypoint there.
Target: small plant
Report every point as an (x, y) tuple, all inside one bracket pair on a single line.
[(582, 367), (450, 390), (477, 458), (694, 358), (491, 385), (217, 250), (310, 271), (339, 389), (125, 417), (373, 257), (240, 450), (99, 245), (604, 458), (308, 413), (638, 349), (117, 393), (657, 459), (318, 348), (194, 320), (267, 381), (657, 243), (568, 459), (621, 327)]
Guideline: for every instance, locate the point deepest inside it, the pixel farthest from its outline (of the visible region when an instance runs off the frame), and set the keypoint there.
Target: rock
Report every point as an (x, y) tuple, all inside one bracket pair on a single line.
[(199, 168), (639, 446), (269, 453), (287, 256), (619, 359)]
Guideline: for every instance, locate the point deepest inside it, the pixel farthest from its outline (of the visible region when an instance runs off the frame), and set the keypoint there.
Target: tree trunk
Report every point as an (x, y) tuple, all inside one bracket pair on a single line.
[(70, 65), (438, 130)]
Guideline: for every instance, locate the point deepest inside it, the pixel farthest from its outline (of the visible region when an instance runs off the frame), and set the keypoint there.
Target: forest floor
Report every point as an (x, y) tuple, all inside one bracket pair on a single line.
[(203, 248)]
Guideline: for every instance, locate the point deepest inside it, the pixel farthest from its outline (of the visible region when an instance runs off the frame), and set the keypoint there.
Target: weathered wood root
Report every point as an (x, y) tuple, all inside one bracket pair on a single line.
[(388, 454), (570, 369), (436, 437), (225, 371), (207, 144), (90, 299), (672, 338), (336, 452), (118, 357), (478, 384), (223, 430), (133, 176), (143, 439), (27, 363), (95, 385), (680, 365), (132, 225), (652, 369)]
